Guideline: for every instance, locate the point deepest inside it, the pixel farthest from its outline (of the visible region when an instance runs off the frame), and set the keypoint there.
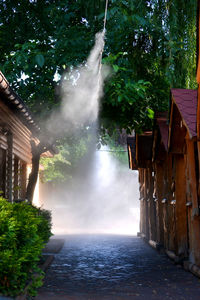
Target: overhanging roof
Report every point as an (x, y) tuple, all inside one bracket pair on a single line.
[(16, 104), (186, 102)]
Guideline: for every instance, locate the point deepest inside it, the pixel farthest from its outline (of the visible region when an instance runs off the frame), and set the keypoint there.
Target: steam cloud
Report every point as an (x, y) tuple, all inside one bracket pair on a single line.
[(102, 197)]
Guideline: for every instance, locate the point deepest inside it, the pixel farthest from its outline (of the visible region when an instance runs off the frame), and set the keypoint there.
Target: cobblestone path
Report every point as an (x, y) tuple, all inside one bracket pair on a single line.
[(115, 268)]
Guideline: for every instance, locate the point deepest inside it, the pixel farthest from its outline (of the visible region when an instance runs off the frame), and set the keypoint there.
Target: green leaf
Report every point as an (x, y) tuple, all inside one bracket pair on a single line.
[(150, 113), (40, 60), (116, 68)]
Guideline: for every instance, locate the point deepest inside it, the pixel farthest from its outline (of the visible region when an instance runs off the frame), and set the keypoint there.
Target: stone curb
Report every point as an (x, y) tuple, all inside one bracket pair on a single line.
[(194, 269), (155, 245)]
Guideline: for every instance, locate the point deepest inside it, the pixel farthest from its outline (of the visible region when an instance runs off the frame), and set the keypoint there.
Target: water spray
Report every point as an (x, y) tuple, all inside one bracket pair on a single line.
[(103, 35)]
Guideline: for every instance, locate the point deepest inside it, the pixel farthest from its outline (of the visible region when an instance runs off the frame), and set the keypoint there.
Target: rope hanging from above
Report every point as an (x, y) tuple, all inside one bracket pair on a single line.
[(106, 10), (103, 35)]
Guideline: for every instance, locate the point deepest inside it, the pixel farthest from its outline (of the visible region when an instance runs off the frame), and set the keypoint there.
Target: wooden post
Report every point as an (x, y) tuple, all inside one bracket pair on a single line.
[(170, 207), (10, 166), (146, 204), (23, 180), (159, 209), (180, 207), (152, 209), (193, 211), (141, 181), (2, 171), (165, 202), (16, 178)]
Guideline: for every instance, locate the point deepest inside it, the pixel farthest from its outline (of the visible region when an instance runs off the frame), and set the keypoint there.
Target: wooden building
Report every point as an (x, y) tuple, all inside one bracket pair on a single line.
[(169, 180), (172, 177), (17, 128)]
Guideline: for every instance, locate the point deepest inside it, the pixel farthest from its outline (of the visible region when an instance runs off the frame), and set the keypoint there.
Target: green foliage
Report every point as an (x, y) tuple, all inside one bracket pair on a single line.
[(150, 113), (36, 282), (60, 168), (118, 151), (24, 229), (150, 46), (56, 169)]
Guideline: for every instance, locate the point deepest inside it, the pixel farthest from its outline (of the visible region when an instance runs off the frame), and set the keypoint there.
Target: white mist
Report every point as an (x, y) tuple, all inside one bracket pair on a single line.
[(103, 196), (102, 199)]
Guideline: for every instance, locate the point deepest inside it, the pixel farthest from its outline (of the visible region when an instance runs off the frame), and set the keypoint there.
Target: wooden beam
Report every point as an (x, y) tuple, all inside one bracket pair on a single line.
[(193, 211), (10, 166), (180, 208)]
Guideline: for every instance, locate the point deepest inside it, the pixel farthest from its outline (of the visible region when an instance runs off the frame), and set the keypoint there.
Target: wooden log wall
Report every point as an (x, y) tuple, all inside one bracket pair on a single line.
[(21, 134), (192, 203), (15, 153), (170, 204)]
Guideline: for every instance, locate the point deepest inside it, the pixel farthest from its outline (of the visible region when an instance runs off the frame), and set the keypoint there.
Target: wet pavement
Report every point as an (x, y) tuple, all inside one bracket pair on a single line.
[(105, 267)]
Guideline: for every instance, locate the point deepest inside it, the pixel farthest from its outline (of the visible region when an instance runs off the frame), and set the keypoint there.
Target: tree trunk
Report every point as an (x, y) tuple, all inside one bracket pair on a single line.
[(36, 152)]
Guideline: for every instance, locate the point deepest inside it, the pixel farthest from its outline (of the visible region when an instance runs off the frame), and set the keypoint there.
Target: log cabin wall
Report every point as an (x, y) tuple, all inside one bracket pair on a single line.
[(160, 164), (169, 182), (15, 153), (181, 241), (192, 204), (170, 209), (17, 129), (175, 216)]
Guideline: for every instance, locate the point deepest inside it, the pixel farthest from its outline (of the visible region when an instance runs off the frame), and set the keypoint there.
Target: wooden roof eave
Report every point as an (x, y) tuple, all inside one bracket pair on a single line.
[(16, 103)]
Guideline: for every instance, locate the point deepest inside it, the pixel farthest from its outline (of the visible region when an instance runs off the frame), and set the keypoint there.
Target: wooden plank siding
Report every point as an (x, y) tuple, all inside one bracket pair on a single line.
[(16, 149), (193, 205), (169, 181), (181, 244), (21, 134)]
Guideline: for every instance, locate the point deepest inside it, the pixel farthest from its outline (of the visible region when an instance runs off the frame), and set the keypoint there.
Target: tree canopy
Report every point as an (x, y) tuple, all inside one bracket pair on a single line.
[(150, 46)]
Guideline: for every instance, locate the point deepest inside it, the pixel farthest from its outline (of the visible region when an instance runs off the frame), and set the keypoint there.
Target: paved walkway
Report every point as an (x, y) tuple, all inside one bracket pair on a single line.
[(115, 268)]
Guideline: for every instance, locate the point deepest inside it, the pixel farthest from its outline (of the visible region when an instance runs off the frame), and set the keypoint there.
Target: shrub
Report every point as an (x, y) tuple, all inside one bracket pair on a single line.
[(24, 229)]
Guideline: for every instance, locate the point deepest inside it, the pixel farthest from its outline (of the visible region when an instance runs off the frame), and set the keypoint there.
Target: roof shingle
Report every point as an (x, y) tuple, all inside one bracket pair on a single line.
[(186, 101)]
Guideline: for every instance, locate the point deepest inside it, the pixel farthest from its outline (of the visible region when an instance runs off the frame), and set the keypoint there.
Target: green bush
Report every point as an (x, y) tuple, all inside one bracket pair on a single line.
[(24, 229)]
